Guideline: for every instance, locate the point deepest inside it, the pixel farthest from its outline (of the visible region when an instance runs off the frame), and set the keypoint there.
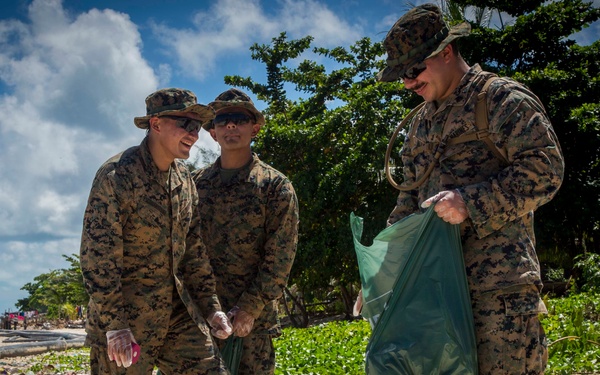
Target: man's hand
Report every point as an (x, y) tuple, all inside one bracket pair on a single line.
[(449, 205), (242, 321), (358, 304), (119, 346), (220, 325)]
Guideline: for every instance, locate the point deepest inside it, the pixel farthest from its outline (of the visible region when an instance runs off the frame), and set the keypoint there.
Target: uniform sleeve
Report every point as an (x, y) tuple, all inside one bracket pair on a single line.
[(101, 252), (536, 166), (199, 276), (281, 229)]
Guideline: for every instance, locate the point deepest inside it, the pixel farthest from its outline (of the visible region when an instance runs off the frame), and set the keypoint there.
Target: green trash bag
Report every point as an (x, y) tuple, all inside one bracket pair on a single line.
[(416, 298), (232, 353)]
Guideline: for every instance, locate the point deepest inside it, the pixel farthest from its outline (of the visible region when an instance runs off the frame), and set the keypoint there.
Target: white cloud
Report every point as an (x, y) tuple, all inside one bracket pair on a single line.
[(72, 88), (230, 27), (301, 18)]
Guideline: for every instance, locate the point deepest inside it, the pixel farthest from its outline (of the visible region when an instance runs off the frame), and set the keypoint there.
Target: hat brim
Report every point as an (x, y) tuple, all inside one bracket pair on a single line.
[(219, 105), (200, 112), (395, 73)]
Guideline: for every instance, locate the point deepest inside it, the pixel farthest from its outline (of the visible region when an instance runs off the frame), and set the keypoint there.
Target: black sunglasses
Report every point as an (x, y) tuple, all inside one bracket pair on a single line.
[(414, 71), (238, 118), (188, 124)]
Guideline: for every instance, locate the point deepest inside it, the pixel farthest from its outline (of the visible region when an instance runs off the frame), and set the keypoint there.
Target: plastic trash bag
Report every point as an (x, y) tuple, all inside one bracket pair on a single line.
[(415, 295), (232, 353)]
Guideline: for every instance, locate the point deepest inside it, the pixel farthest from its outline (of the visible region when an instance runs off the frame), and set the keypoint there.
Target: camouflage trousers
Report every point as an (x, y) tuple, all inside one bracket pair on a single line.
[(258, 354), (184, 350), (510, 338)]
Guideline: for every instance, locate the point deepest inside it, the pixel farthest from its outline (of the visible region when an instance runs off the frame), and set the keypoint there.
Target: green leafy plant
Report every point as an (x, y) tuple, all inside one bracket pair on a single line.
[(333, 348), (60, 362), (573, 334)]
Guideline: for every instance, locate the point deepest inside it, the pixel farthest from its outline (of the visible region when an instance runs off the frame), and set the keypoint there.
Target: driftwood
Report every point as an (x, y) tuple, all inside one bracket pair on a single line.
[(36, 342)]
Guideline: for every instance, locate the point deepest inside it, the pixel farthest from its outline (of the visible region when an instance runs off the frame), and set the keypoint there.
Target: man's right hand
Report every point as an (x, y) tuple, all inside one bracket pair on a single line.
[(449, 206), (119, 346), (220, 325)]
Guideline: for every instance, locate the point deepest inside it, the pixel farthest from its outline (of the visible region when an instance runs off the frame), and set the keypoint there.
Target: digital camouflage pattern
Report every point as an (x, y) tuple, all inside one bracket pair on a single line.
[(135, 261), (173, 101), (508, 319), (250, 228), (419, 34), (258, 355), (498, 239)]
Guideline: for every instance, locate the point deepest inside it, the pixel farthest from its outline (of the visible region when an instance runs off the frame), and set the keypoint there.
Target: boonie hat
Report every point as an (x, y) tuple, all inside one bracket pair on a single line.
[(174, 101), (419, 34), (235, 98)]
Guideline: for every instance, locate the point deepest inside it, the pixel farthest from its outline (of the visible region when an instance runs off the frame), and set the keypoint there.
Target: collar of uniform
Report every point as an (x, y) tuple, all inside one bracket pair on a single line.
[(154, 173), (247, 174)]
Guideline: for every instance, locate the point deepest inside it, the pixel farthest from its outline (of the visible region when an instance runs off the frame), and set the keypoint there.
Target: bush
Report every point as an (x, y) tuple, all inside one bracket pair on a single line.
[(333, 348), (589, 264), (573, 334)]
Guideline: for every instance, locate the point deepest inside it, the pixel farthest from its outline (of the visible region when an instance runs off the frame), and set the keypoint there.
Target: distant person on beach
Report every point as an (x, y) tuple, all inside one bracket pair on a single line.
[(143, 262)]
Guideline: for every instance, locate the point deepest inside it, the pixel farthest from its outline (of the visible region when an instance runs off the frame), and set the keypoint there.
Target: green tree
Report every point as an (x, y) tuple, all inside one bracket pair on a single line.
[(52, 291), (331, 145)]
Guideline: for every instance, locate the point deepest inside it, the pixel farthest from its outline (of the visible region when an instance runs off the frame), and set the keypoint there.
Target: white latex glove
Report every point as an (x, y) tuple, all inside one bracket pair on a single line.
[(449, 205), (119, 346), (220, 326), (358, 304), (242, 321)]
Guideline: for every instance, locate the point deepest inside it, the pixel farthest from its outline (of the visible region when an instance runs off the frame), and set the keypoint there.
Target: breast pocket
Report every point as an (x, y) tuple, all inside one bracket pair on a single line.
[(148, 223)]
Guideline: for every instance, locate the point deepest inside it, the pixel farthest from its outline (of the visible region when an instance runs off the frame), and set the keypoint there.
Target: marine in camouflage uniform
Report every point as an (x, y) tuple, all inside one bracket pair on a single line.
[(249, 219), (492, 202), (143, 262)]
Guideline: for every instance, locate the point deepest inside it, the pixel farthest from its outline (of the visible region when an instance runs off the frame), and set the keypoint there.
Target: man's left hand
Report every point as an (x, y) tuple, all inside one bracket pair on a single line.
[(242, 322), (449, 205)]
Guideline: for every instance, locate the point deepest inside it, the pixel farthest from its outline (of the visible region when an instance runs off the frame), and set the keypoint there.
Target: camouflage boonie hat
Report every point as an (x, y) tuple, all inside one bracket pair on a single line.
[(235, 98), (419, 34), (173, 101)]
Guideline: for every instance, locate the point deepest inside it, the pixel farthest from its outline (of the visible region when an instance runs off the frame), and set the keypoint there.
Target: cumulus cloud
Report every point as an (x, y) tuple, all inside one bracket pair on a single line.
[(229, 27), (72, 86)]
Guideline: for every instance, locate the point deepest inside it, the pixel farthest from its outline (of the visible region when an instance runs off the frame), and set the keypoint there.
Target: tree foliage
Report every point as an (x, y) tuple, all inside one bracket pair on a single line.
[(49, 292), (330, 145), (332, 139)]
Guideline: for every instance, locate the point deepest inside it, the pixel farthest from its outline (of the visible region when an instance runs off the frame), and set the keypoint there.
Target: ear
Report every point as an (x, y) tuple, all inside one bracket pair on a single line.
[(153, 121), (255, 130), (447, 52), (213, 134)]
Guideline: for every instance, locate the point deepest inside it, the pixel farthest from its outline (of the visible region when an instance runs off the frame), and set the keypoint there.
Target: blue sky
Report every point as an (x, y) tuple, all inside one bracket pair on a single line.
[(74, 73)]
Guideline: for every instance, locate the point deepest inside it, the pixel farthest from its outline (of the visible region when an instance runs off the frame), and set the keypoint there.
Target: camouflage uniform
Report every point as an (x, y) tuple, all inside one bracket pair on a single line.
[(137, 271), (250, 228), (498, 239)]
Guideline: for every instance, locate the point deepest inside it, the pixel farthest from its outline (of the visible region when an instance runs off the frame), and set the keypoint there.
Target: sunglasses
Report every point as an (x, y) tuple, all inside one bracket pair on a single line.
[(187, 124), (238, 118), (414, 71)]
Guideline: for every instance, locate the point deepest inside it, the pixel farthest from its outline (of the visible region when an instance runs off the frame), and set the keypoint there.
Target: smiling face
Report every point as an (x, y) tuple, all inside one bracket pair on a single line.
[(441, 76), (168, 141)]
